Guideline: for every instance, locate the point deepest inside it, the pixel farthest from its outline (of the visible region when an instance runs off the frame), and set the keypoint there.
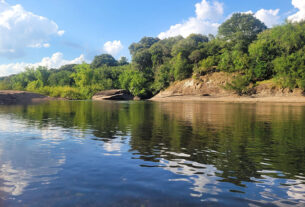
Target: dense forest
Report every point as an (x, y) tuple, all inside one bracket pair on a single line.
[(243, 45)]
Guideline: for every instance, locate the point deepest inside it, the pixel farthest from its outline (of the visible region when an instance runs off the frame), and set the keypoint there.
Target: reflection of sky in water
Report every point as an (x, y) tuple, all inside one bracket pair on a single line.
[(205, 182), (32, 154), (37, 154), (28, 158), (198, 174)]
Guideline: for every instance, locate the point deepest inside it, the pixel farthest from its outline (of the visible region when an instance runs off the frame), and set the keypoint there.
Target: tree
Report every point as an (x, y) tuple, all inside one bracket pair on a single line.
[(145, 43), (142, 60), (60, 78), (162, 78), (196, 56), (123, 61), (181, 68), (104, 59), (68, 67), (134, 82), (83, 76), (241, 29), (290, 70), (42, 75), (198, 38)]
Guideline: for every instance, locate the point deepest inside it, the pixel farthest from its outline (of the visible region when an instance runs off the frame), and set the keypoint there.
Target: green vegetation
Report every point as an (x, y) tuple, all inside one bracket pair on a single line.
[(243, 46)]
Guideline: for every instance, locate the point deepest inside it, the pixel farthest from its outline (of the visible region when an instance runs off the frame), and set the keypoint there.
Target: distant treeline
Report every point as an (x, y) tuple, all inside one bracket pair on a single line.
[(243, 46)]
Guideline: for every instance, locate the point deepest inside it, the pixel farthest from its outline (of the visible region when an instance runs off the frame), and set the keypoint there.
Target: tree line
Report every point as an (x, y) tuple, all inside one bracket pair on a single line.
[(243, 45)]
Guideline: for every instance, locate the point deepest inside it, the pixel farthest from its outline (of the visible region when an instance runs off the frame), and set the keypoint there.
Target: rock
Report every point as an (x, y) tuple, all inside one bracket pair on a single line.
[(115, 94), (8, 97)]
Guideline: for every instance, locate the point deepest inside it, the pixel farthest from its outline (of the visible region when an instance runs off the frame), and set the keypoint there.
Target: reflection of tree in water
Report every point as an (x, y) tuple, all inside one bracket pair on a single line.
[(239, 140)]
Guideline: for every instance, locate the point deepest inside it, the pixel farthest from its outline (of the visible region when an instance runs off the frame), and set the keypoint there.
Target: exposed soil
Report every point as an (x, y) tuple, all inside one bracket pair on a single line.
[(211, 87)]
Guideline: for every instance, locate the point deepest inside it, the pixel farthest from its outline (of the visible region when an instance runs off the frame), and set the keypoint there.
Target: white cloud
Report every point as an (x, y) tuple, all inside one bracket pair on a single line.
[(205, 22), (20, 29), (61, 32), (40, 45), (300, 15), (114, 47), (209, 11), (55, 61), (269, 17)]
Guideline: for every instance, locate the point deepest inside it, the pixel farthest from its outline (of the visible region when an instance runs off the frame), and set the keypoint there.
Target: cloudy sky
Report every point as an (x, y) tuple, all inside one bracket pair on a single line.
[(58, 32)]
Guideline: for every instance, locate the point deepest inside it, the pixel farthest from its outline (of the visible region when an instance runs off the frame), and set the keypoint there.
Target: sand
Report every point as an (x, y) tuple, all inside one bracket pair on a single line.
[(233, 99)]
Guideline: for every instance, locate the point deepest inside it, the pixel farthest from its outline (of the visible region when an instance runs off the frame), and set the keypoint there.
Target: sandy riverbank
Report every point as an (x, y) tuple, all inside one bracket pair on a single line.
[(232, 99)]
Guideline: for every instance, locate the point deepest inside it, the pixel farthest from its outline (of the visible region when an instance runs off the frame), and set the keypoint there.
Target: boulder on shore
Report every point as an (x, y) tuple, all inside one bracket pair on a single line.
[(8, 97), (114, 94)]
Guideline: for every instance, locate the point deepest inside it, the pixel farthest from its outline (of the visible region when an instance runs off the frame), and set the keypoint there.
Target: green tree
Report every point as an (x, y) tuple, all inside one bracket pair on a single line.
[(134, 82), (181, 68), (104, 59), (142, 60), (145, 43), (83, 75), (123, 61), (241, 30)]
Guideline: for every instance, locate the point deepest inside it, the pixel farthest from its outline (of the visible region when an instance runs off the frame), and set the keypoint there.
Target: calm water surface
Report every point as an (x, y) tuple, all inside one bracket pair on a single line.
[(152, 154)]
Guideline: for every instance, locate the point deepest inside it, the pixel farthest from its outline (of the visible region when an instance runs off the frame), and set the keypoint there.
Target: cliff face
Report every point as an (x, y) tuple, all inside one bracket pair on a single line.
[(213, 85)]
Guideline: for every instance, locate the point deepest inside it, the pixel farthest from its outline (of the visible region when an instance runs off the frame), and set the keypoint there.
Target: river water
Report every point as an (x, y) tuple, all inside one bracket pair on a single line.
[(152, 154)]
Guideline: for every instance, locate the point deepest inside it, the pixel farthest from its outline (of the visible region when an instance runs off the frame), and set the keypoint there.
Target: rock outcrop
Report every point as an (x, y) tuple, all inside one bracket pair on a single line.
[(8, 97), (115, 94)]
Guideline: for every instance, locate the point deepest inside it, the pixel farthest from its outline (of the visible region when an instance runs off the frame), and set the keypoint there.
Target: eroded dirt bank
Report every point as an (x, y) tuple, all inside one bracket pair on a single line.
[(211, 87)]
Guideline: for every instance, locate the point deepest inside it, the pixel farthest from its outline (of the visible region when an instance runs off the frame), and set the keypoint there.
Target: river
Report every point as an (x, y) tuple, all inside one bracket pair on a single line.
[(83, 153)]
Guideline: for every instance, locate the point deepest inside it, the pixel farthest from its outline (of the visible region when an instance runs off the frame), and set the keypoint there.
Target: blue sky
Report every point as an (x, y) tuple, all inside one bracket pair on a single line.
[(88, 25)]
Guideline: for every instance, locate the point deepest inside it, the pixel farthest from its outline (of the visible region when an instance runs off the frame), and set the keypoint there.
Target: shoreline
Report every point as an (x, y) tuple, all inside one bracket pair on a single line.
[(231, 99), (13, 97)]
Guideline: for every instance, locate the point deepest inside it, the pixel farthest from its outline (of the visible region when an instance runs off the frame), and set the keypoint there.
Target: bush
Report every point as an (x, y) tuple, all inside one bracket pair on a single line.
[(290, 70), (62, 92), (240, 85)]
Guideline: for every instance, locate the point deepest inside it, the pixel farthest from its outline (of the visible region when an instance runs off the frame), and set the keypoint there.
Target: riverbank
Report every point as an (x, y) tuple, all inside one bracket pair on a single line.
[(8, 97), (231, 99), (212, 88)]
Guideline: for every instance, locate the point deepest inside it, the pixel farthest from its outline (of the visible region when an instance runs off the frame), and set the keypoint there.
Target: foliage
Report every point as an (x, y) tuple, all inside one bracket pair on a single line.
[(241, 29), (104, 60), (243, 46), (290, 70), (133, 81), (181, 68), (240, 84)]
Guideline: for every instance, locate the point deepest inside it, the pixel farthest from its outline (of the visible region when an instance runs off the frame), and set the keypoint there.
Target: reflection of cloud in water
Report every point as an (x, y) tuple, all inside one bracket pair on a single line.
[(114, 147), (14, 180), (23, 160), (200, 175), (204, 180), (296, 190), (10, 125)]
